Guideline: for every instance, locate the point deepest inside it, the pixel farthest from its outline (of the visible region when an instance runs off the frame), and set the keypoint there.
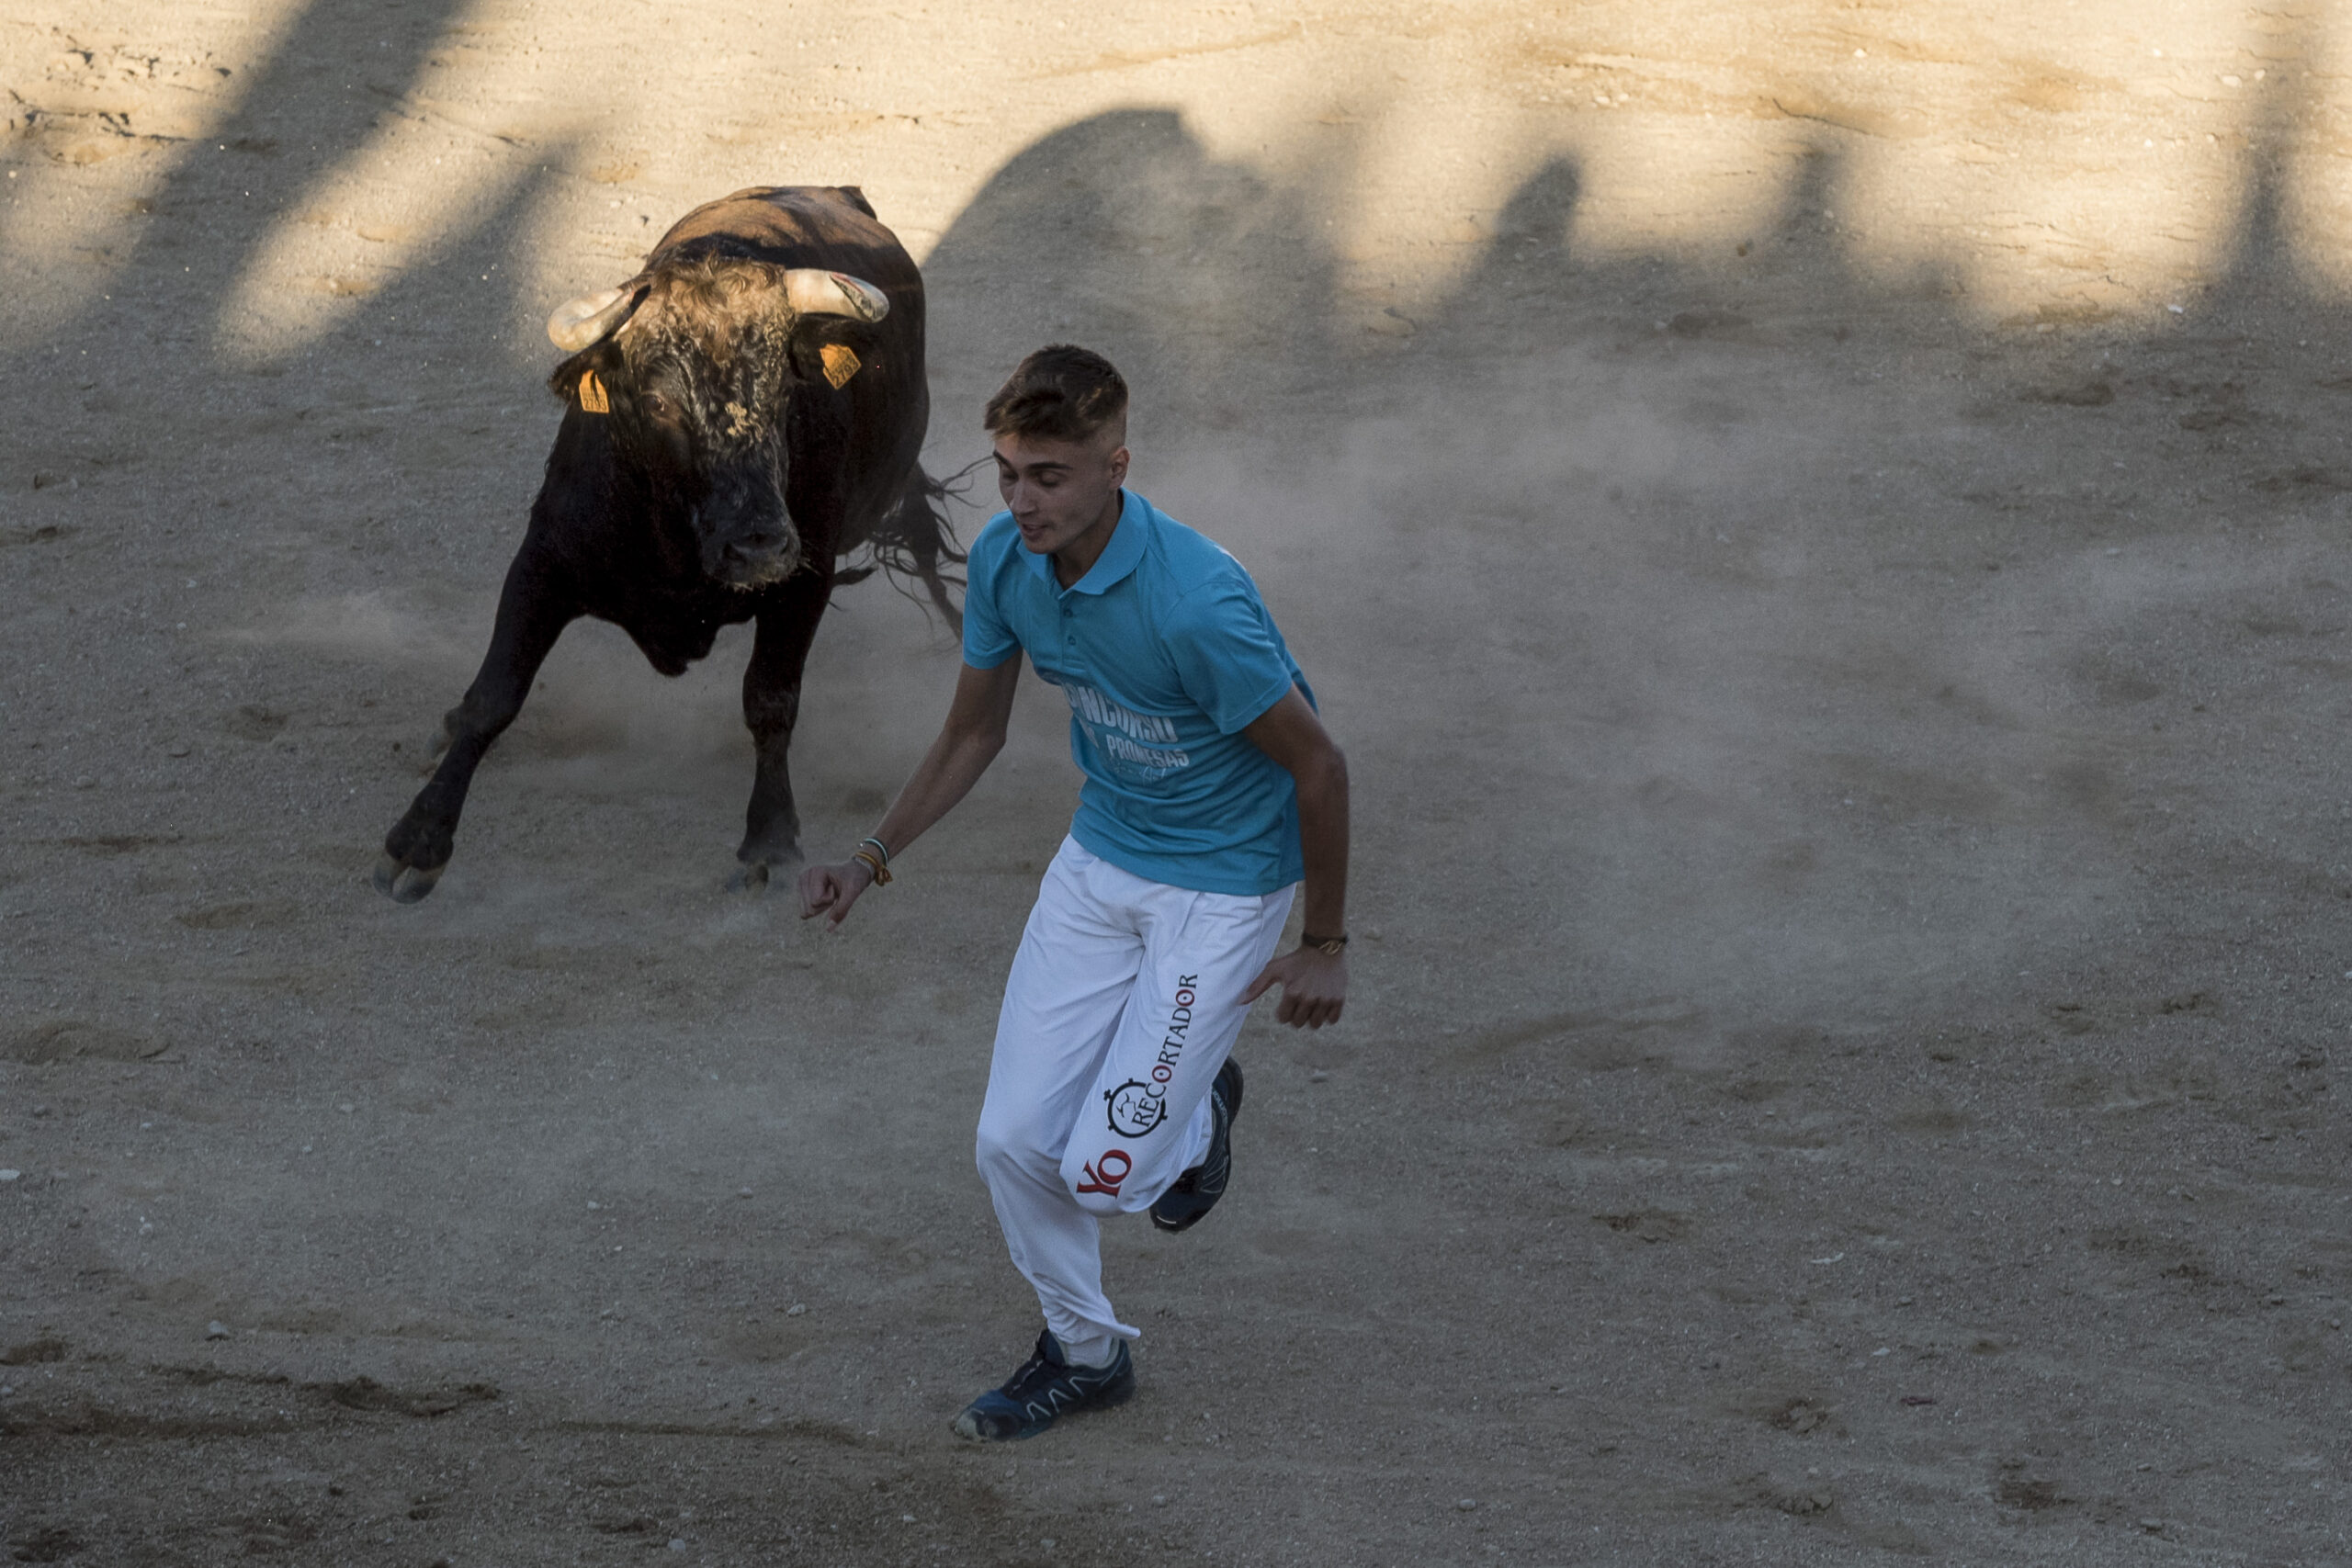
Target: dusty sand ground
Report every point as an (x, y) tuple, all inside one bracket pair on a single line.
[(1821, 526)]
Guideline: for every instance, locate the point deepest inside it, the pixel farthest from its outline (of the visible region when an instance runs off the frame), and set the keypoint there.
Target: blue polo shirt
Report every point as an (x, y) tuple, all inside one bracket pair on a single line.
[(1166, 653)]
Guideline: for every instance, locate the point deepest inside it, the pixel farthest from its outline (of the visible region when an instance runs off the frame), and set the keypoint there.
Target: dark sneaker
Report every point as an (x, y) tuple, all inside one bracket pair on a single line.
[(1195, 1192), (1045, 1388)]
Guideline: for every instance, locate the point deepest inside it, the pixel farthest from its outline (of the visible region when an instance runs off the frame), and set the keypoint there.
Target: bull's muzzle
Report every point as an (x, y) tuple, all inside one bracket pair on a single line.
[(747, 552), (757, 559), (745, 525)]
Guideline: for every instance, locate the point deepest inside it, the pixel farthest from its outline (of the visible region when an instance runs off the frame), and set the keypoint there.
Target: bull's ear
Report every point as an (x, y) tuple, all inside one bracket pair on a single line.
[(833, 350), (601, 359)]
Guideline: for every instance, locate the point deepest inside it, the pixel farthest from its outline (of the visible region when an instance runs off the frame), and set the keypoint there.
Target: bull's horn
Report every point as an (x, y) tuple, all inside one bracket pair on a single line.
[(579, 322), (813, 291)]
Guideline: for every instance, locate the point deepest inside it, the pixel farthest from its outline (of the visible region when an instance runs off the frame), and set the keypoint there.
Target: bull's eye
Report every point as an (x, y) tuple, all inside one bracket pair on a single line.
[(656, 406)]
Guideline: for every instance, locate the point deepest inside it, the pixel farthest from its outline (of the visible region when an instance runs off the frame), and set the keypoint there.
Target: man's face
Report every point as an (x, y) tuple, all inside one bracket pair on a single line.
[(1058, 489)]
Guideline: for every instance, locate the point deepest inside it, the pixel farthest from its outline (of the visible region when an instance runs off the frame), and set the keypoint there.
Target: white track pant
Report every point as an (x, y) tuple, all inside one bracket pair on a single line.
[(1122, 1002)]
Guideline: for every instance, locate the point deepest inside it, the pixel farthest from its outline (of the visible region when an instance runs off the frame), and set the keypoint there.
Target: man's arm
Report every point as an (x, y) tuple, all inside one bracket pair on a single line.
[(967, 743), (1314, 983)]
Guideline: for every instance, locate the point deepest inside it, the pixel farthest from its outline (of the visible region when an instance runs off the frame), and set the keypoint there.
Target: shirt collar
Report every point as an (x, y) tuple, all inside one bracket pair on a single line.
[(1119, 557)]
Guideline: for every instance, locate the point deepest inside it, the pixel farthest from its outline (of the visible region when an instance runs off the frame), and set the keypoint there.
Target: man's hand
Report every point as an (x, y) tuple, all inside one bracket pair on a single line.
[(1314, 983), (834, 888)]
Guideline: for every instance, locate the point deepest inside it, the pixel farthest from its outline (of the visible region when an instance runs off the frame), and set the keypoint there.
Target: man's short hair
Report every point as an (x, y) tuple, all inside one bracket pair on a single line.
[(1059, 393)]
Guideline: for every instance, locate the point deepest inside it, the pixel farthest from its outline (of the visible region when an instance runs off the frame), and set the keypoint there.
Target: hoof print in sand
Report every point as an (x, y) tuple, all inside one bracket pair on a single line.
[(69, 1039), (1803, 1500), (1648, 1224), (1801, 1418), (2031, 1494), (366, 1394), (51, 1543)]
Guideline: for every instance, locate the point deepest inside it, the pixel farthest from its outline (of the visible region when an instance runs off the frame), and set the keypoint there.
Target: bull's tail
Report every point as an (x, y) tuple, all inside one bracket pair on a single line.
[(911, 540)]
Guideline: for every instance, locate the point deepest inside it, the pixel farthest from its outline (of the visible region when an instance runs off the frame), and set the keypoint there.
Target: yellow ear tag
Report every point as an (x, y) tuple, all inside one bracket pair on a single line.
[(839, 364), (592, 395)]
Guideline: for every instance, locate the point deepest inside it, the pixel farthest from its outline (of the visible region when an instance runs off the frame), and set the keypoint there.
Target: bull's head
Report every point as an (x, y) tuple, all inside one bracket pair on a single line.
[(703, 364)]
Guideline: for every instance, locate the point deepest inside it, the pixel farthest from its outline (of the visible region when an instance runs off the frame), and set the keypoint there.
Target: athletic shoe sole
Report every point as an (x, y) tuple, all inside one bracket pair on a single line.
[(1192, 1195)]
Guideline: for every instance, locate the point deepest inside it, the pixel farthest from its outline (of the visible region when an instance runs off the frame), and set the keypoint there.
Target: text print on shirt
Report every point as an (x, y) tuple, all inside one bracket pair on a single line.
[(1117, 733)]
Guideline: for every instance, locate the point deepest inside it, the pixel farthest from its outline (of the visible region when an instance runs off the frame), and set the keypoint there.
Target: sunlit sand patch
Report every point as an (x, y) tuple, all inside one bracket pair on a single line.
[(1697, 195), (2307, 66), (2106, 164), (484, 117), (2008, 181), (410, 191), (114, 99)]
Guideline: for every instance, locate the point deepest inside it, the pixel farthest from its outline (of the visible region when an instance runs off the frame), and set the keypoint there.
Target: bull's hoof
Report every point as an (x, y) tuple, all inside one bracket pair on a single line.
[(755, 869), (405, 884)]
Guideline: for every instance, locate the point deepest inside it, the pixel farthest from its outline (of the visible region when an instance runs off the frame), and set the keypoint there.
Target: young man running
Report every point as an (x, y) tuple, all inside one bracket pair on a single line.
[(1211, 790)]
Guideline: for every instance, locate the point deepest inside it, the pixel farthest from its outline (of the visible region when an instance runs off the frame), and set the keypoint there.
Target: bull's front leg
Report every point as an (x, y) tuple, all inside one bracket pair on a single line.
[(533, 610), (787, 625)]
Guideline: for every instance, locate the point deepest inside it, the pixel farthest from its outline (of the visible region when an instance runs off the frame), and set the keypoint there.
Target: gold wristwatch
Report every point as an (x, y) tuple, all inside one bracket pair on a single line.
[(1334, 946)]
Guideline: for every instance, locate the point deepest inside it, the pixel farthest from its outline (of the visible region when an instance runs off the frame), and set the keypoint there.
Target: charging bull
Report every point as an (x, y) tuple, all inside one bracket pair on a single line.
[(743, 414)]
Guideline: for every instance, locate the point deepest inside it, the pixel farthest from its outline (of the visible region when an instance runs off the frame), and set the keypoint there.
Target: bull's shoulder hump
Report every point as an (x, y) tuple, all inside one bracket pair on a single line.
[(783, 220)]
